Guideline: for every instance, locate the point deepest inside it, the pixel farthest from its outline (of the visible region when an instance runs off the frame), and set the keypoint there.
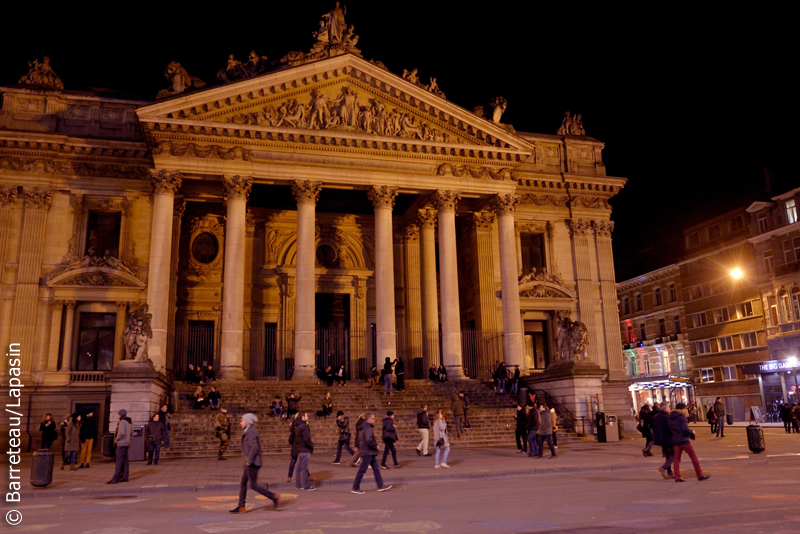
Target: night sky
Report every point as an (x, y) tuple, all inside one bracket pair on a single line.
[(692, 105)]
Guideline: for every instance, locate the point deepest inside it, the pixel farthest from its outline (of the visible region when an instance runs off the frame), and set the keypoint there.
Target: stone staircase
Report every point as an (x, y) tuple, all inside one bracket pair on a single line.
[(192, 433)]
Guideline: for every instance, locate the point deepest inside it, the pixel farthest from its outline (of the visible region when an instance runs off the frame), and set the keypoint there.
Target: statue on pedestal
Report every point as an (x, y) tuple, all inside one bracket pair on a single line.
[(137, 334), (572, 338), (180, 80)]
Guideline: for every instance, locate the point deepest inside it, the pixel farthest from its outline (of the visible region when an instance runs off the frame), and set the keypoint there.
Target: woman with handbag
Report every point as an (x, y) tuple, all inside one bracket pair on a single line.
[(441, 440)]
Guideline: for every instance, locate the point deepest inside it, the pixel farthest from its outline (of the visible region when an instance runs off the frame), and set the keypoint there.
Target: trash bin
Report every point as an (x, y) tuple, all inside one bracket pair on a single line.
[(108, 446), (42, 468), (755, 439), (729, 419), (136, 450), (523, 395), (600, 425), (612, 427)]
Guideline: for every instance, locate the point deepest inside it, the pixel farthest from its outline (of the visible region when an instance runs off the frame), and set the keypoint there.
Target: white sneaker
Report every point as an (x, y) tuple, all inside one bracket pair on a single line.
[(436, 466), (385, 488), (445, 465)]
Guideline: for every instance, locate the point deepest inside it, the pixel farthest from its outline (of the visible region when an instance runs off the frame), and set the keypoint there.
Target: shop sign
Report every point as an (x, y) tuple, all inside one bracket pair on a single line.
[(771, 366), (681, 379)]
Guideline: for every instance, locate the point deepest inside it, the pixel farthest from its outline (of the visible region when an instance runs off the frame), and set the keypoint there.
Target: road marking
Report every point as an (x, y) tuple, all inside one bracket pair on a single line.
[(121, 501), (409, 526), (366, 514), (320, 505), (213, 528), (116, 530), (33, 507), (219, 498), (353, 525)]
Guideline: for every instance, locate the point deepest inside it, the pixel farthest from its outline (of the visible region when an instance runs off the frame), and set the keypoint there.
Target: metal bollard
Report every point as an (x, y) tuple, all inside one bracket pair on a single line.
[(42, 468)]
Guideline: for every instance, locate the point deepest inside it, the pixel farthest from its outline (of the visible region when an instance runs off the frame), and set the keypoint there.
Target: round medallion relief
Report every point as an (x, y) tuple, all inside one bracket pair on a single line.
[(205, 248), (326, 256)]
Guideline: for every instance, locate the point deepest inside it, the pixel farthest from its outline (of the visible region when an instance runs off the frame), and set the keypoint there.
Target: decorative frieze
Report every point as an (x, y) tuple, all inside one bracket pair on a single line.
[(166, 182), (559, 201), (237, 187), (446, 200), (482, 173), (201, 151), (382, 196), (306, 191), (70, 168)]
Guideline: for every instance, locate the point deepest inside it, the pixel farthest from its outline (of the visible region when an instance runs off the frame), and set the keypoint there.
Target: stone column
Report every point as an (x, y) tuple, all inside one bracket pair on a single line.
[(506, 206), (69, 336), (237, 189), (448, 283), (55, 336), (8, 200), (37, 204), (177, 215), (608, 295), (426, 219), (165, 186), (581, 231), (413, 296), (382, 198), (306, 193), (119, 341)]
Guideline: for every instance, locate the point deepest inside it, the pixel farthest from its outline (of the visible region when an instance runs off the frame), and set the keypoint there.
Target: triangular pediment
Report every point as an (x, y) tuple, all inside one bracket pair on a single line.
[(346, 97), (95, 276)]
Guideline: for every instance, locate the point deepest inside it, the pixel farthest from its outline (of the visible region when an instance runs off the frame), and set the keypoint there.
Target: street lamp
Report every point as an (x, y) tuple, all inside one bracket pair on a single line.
[(736, 273)]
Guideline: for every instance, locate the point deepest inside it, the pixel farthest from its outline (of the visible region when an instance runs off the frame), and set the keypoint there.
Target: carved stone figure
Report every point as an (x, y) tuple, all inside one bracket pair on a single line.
[(528, 277), (498, 105), (411, 76), (576, 128), (335, 23), (434, 88), (565, 125), (41, 74), (346, 108), (572, 338), (137, 334), (180, 80)]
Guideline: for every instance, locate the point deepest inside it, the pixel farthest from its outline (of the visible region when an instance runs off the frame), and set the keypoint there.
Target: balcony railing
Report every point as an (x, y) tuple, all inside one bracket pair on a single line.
[(783, 329), (87, 377)]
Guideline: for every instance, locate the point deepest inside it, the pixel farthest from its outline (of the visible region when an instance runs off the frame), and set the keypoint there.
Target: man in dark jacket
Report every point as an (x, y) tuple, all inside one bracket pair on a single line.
[(681, 434), (88, 435), (400, 371), (295, 448), (153, 438), (389, 436), (719, 411), (532, 427), (424, 426), (302, 440), (663, 438), (465, 402), (343, 425), (521, 430), (458, 412), (251, 450), (369, 456)]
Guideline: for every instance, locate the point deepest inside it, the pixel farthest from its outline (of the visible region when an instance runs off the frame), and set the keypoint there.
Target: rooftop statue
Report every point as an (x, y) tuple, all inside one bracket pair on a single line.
[(180, 80), (411, 76), (493, 111), (41, 74), (571, 126), (333, 37), (236, 70)]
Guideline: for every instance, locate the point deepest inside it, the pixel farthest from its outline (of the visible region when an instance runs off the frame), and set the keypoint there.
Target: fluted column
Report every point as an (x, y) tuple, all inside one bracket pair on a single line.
[(430, 294), (506, 206), (413, 294), (55, 336), (306, 193), (608, 294), (448, 283), (382, 198), (119, 342), (165, 187), (69, 336), (237, 189), (581, 232)]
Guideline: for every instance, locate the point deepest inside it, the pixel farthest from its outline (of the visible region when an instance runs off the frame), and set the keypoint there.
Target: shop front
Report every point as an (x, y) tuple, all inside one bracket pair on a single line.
[(657, 389), (777, 382)]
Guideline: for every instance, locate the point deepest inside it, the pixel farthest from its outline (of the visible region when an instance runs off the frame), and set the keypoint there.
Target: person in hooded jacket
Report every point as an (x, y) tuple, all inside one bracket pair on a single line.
[(360, 422), (73, 443), (681, 434), (163, 417), (663, 438), (122, 438), (646, 429), (369, 453), (389, 436), (343, 425)]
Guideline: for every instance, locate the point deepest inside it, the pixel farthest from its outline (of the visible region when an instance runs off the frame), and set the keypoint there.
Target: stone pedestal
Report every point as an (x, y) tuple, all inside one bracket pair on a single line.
[(138, 388)]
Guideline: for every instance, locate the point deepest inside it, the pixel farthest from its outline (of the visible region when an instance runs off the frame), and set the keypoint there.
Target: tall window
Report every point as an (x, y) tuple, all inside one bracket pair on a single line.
[(662, 328), (725, 343), (745, 309), (796, 247), (626, 304), (773, 310), (713, 232), (791, 212), (676, 321), (642, 332), (532, 252), (796, 303), (763, 228), (629, 334), (703, 346), (749, 340), (673, 293), (103, 233), (657, 292), (699, 319), (96, 342), (783, 298), (639, 302), (767, 261), (788, 253), (729, 372)]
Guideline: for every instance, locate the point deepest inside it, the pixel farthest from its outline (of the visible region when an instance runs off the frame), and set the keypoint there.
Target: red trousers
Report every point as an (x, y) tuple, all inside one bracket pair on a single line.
[(690, 451)]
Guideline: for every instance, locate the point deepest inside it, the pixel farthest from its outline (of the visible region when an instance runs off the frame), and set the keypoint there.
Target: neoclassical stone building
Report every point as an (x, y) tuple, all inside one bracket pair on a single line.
[(328, 212)]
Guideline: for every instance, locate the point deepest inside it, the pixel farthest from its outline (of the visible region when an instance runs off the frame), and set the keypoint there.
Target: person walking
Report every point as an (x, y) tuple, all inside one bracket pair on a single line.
[(457, 408), (343, 425), (295, 420), (521, 430), (663, 438), (423, 426), (369, 455), (532, 425), (251, 450), (48, 429), (163, 417), (122, 438), (646, 429), (73, 442), (222, 431), (441, 440), (389, 436), (465, 402), (515, 381), (62, 430), (214, 398), (554, 418), (88, 436), (719, 411), (712, 418), (302, 439), (681, 434), (387, 376), (785, 416), (794, 415), (154, 437), (360, 422), (400, 371), (546, 431)]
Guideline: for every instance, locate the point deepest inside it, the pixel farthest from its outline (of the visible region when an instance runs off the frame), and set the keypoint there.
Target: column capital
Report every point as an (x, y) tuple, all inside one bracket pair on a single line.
[(37, 197), (70, 304), (426, 217), (482, 220), (505, 204), (411, 232), (122, 305), (382, 196), (237, 187), (579, 227), (179, 208), (8, 196), (446, 200), (306, 191), (165, 182), (603, 228)]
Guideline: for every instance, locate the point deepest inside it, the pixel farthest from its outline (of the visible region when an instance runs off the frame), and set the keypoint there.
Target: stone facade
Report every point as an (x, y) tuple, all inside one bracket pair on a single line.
[(325, 213)]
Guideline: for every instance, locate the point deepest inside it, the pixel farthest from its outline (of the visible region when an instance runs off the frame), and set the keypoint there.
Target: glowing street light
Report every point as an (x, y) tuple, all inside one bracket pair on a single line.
[(736, 273)]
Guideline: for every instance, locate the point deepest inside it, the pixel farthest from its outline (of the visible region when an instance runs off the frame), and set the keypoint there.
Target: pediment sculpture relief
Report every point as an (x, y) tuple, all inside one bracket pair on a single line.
[(94, 270), (236, 70), (543, 285), (347, 110), (572, 338)]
